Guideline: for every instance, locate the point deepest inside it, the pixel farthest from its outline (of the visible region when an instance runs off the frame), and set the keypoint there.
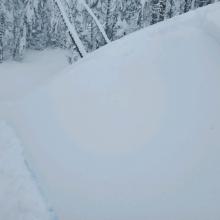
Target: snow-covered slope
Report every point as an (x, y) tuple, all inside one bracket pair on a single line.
[(20, 198), (132, 131), (17, 79)]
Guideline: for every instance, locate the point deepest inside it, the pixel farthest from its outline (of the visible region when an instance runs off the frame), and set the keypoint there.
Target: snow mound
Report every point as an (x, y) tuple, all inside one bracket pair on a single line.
[(132, 131), (19, 196)]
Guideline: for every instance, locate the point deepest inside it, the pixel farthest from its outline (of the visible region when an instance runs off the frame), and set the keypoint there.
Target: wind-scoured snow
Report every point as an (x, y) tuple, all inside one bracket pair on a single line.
[(131, 131)]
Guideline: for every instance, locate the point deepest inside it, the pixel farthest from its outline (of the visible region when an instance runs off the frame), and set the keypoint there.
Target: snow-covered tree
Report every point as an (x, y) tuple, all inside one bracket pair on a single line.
[(200, 3), (132, 9), (39, 25), (2, 29), (147, 13), (78, 25), (71, 29), (155, 11)]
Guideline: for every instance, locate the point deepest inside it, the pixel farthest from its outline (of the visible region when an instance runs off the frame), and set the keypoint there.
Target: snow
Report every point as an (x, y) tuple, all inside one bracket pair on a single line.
[(212, 24), (36, 68), (132, 130), (19, 197)]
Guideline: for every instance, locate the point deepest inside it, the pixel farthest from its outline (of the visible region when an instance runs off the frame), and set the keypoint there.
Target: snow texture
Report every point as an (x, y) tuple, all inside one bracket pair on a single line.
[(20, 198)]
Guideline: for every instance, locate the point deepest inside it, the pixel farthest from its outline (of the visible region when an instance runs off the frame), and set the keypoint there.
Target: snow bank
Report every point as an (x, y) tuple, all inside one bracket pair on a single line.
[(132, 131), (19, 196)]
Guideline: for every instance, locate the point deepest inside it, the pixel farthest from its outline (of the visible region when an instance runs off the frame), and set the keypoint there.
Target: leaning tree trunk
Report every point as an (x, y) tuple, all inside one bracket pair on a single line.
[(1, 36), (99, 25), (71, 29)]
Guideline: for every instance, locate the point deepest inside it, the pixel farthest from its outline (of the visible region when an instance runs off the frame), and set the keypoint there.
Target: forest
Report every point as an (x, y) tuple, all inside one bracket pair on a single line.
[(77, 25)]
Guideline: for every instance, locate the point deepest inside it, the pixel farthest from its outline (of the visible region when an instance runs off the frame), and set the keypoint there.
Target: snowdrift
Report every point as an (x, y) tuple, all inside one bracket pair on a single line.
[(132, 131)]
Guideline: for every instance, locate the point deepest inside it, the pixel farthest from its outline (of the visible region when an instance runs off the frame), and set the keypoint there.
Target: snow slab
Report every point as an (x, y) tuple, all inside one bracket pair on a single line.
[(132, 131), (20, 197)]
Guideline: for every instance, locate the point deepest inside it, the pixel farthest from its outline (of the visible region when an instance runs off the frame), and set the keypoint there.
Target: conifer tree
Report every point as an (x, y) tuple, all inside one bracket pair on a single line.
[(155, 11), (2, 27)]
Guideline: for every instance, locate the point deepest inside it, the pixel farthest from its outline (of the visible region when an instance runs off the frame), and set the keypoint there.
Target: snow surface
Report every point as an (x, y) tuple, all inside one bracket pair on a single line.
[(17, 79), (131, 131), (20, 198)]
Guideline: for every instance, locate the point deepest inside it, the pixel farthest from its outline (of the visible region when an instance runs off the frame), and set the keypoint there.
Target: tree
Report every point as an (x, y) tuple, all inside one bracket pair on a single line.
[(200, 3), (2, 27), (37, 20), (155, 11), (101, 29), (147, 14), (170, 9), (78, 25), (19, 29), (71, 29), (162, 9), (188, 5)]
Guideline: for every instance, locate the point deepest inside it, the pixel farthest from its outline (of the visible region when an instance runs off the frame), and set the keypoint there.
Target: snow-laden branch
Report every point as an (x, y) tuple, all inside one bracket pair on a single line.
[(73, 33), (96, 20)]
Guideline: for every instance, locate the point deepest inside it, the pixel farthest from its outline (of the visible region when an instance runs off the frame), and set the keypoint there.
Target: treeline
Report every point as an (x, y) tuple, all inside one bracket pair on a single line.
[(38, 24)]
